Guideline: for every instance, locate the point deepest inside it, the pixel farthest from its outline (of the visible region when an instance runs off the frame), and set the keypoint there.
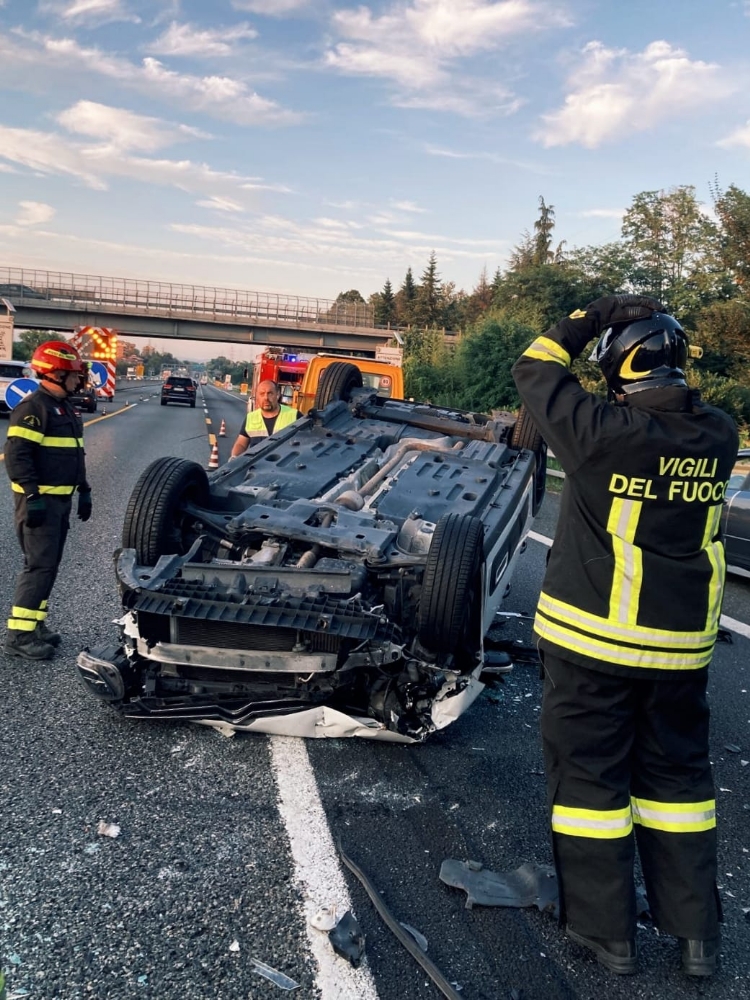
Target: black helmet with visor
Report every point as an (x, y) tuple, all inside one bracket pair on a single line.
[(645, 354)]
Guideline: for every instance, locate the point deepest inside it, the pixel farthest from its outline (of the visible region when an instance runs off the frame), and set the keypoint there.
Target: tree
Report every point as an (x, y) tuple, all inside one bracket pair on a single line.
[(484, 358), (351, 296), (672, 243), (732, 208), (428, 304), (406, 300), (385, 306), (29, 340)]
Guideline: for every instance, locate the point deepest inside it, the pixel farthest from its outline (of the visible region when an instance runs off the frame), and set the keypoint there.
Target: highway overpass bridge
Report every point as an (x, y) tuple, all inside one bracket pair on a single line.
[(53, 300)]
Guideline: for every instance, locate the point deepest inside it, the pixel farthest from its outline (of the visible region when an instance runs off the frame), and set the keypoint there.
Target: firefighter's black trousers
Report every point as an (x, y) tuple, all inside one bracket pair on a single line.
[(42, 551), (627, 762)]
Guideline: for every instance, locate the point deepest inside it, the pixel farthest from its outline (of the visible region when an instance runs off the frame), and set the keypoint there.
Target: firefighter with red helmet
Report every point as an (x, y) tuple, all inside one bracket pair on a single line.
[(45, 461), (626, 624)]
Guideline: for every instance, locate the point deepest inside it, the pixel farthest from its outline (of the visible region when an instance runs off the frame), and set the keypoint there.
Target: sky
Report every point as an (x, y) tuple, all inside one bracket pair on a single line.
[(309, 147)]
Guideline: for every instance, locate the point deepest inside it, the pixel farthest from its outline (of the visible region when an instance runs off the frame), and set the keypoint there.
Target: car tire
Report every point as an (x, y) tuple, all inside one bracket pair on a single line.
[(153, 525), (163, 402), (525, 435), (92, 406), (337, 381), (192, 406), (449, 615)]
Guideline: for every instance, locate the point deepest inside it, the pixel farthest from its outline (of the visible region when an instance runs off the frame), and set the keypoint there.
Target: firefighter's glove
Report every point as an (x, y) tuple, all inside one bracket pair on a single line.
[(36, 510), (84, 505), (613, 309)]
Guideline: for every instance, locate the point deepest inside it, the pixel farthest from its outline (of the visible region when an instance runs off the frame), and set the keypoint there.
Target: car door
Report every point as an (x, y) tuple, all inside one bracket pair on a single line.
[(737, 515)]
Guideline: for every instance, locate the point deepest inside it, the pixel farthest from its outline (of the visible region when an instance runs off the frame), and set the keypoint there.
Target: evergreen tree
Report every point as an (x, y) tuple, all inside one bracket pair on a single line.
[(385, 306), (406, 298), (429, 295)]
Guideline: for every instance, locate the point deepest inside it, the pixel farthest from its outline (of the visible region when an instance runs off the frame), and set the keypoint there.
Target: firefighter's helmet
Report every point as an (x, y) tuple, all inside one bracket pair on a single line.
[(57, 356), (645, 354)]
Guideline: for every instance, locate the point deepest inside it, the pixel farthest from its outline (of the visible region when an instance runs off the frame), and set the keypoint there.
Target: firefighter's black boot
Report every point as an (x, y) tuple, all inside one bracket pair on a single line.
[(617, 956), (699, 957), (28, 645), (47, 635)]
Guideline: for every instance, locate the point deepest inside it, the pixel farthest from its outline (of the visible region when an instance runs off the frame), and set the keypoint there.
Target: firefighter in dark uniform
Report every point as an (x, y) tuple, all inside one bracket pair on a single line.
[(44, 459), (626, 624), (268, 416)]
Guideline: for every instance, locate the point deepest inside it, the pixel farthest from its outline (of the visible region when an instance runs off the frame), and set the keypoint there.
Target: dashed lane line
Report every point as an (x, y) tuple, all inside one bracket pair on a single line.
[(726, 622), (316, 864)]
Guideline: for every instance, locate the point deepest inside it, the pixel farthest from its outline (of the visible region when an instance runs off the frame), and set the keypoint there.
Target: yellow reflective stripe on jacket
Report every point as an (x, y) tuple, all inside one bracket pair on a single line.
[(55, 490), (567, 614), (546, 349), (598, 648), (675, 817), (22, 432), (714, 550), (597, 824), (46, 442), (628, 572)]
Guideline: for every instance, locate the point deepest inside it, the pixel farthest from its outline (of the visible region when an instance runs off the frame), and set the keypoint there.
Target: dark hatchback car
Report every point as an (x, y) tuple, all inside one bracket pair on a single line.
[(177, 389), (737, 516)]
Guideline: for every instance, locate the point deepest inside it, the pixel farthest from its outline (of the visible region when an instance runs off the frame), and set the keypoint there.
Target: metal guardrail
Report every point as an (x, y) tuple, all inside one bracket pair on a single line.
[(24, 286)]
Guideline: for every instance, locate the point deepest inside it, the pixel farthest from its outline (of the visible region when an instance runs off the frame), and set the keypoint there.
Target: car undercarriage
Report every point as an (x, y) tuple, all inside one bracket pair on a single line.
[(337, 579)]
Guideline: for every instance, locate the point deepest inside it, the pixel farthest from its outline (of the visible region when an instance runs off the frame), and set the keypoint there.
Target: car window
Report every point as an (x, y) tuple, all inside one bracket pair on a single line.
[(13, 371), (740, 474), (180, 381)]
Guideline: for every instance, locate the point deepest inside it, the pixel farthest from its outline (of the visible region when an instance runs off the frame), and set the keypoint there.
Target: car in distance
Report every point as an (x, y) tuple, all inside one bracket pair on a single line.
[(736, 516), (9, 372), (337, 579), (178, 389), (85, 398)]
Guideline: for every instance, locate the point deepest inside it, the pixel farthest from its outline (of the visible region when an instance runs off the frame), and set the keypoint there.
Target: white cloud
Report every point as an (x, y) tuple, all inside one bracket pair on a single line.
[(603, 213), (221, 97), (417, 46), (453, 154), (94, 165), (33, 213), (93, 11), (614, 93), (272, 8), (220, 204), (407, 206), (740, 137), (185, 40), (123, 129)]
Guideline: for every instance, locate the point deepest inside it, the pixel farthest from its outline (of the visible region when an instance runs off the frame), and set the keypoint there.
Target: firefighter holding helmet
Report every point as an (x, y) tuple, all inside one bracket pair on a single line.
[(626, 624), (45, 461)]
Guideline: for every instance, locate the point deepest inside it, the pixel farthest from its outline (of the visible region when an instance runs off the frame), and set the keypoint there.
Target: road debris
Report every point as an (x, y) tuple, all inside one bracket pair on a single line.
[(403, 936), (326, 918), (348, 939), (105, 829), (417, 935), (274, 976)]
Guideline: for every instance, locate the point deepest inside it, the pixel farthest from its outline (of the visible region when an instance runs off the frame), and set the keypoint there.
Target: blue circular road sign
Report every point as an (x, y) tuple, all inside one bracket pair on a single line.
[(19, 389), (99, 374)]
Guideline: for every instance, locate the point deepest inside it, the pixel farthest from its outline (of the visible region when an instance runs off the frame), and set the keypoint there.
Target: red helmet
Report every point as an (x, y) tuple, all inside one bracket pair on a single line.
[(56, 356)]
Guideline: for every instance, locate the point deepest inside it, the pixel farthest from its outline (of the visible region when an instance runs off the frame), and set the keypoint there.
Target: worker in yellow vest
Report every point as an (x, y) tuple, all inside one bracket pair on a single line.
[(269, 415)]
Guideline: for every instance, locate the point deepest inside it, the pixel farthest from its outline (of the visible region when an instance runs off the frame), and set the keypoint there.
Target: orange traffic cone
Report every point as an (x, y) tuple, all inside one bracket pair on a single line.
[(223, 430), (213, 462)]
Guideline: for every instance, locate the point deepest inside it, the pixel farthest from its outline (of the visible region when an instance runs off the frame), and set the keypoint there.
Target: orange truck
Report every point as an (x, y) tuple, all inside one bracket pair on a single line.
[(283, 367), (385, 377)]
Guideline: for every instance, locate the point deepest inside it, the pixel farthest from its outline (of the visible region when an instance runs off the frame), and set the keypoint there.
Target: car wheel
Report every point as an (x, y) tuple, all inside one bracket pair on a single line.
[(449, 616), (525, 435), (163, 402), (337, 381), (154, 521), (192, 405), (92, 406)]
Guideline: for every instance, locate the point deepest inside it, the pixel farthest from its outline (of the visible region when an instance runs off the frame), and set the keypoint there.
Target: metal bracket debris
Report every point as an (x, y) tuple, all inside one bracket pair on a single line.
[(348, 939), (529, 885)]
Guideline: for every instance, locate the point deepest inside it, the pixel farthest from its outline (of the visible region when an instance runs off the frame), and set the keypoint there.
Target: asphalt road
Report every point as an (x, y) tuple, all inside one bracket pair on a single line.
[(226, 844)]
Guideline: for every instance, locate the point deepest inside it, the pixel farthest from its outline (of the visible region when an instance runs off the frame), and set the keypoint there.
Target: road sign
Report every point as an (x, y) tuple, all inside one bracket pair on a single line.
[(19, 389), (98, 374)]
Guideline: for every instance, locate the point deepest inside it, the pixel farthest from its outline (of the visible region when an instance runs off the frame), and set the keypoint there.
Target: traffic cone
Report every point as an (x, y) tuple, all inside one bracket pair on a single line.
[(213, 462), (104, 411), (223, 430)]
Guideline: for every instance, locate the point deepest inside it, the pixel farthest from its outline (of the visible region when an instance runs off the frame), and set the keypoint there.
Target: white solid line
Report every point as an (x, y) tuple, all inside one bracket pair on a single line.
[(731, 623), (317, 869)]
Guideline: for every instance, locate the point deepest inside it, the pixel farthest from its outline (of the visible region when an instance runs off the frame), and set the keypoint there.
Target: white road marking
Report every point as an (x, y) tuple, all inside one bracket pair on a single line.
[(317, 868), (731, 623)]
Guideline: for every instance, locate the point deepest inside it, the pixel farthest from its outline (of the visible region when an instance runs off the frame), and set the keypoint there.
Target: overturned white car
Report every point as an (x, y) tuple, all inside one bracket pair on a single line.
[(337, 579)]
